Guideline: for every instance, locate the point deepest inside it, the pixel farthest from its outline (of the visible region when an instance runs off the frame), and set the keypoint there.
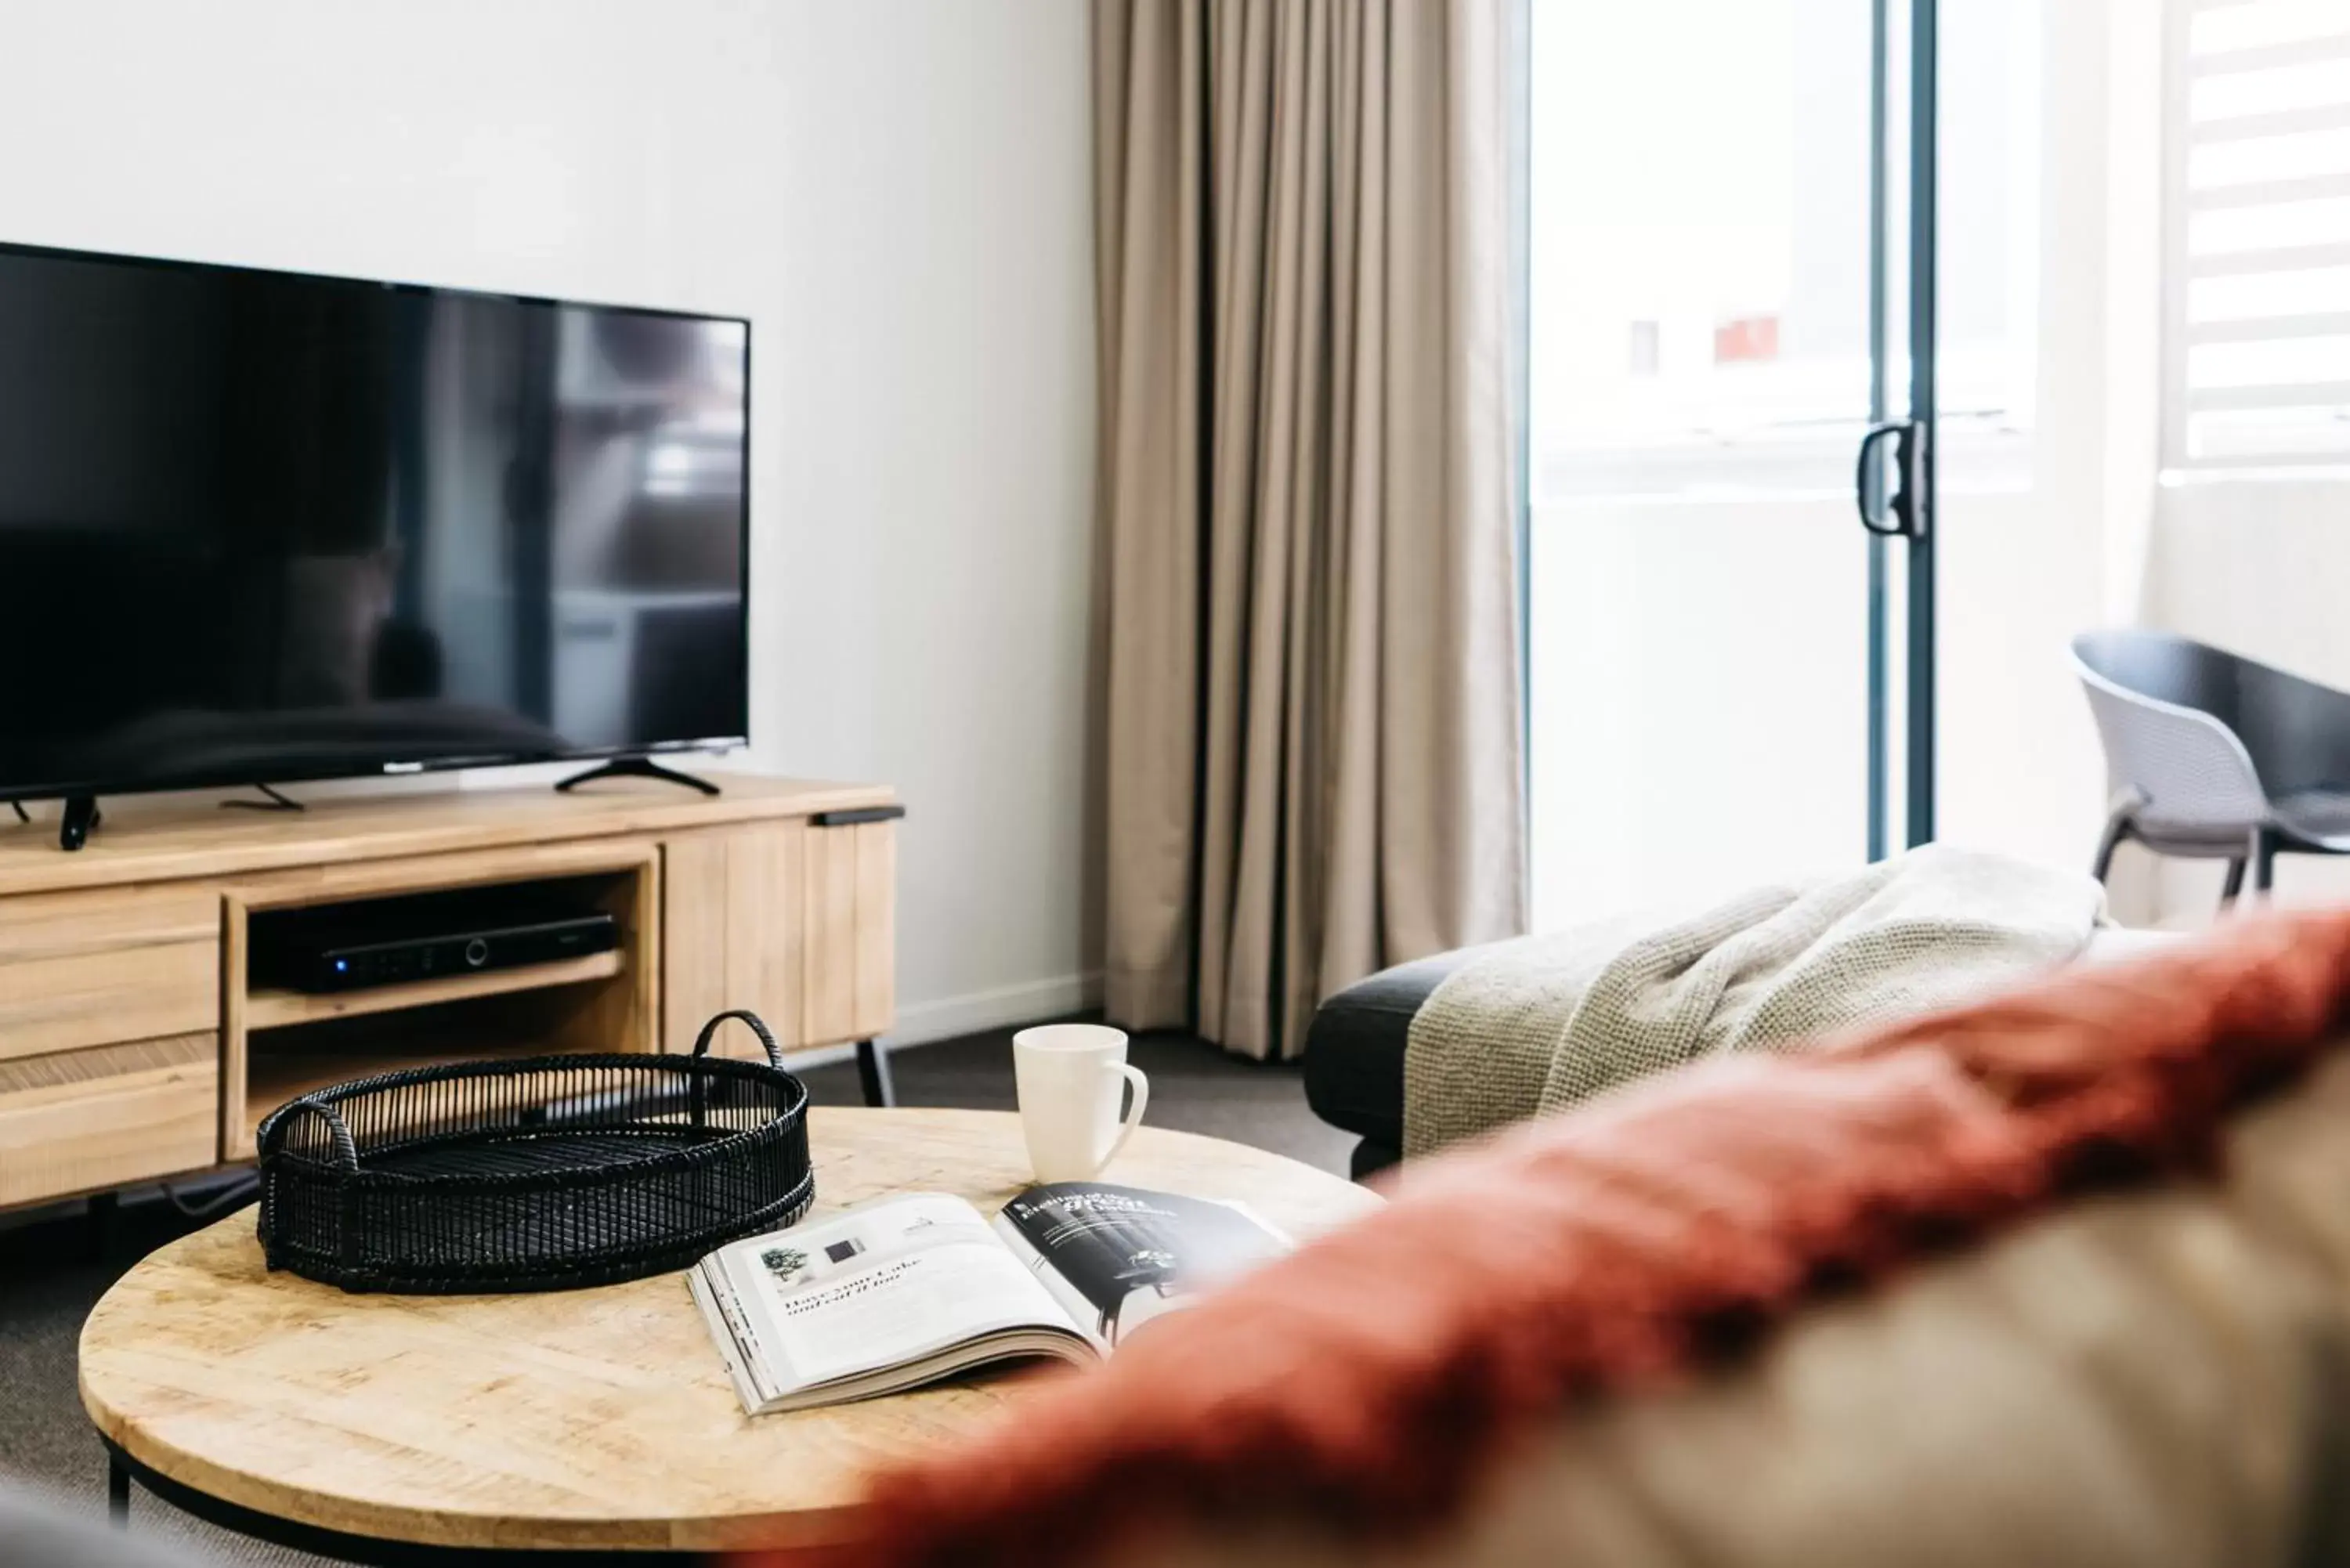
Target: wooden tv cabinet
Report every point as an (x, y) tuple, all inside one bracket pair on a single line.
[(135, 1046)]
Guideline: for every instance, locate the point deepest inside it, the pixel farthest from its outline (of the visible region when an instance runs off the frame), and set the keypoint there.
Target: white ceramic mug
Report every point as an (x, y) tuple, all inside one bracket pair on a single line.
[(1069, 1075)]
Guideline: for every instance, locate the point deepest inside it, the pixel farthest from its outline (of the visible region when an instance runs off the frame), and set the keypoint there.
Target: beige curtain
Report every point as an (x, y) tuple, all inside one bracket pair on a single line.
[(1313, 728)]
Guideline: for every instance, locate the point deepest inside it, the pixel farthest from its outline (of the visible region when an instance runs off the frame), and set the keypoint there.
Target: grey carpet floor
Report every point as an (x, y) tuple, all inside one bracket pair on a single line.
[(49, 1280)]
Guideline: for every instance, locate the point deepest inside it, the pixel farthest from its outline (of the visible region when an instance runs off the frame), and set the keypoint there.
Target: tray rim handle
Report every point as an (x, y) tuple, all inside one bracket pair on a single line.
[(758, 1027), (347, 1148)]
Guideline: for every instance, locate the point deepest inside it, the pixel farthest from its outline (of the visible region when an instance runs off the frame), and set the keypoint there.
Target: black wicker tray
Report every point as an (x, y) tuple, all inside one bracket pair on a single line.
[(541, 1174)]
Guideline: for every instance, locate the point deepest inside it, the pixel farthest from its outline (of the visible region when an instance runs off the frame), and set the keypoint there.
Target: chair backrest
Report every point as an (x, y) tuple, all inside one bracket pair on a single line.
[(2162, 705)]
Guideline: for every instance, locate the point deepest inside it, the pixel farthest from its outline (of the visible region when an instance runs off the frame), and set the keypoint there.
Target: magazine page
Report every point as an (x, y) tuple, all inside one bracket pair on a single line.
[(886, 1284), (1116, 1257)]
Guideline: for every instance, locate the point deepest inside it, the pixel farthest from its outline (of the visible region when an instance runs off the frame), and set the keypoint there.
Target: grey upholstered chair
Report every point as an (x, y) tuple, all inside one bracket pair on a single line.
[(2216, 757)]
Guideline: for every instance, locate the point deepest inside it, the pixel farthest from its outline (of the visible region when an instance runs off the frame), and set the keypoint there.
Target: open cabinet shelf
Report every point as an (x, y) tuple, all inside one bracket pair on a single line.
[(283, 1043), (272, 1009)]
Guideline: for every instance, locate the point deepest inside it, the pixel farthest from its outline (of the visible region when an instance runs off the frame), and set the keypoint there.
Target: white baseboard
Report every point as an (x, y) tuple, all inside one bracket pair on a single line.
[(951, 1017), (919, 1023)]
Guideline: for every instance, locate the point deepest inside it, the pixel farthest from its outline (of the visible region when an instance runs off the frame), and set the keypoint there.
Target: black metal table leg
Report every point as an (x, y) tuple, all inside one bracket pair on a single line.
[(105, 1226), (121, 1470), (873, 1073)]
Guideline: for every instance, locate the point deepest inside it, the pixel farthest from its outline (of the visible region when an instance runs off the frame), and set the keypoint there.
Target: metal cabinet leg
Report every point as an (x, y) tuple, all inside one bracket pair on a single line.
[(873, 1073), (2234, 884), (118, 1493)]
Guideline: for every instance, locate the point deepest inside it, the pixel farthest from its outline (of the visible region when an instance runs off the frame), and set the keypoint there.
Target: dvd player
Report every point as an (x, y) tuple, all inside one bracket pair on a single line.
[(430, 936)]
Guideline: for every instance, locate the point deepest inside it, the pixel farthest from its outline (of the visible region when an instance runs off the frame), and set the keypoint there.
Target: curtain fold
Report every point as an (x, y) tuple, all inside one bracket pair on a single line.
[(1312, 725)]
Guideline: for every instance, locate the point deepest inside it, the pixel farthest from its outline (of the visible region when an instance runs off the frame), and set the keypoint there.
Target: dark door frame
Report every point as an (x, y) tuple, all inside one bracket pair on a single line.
[(1905, 509), (1924, 161)]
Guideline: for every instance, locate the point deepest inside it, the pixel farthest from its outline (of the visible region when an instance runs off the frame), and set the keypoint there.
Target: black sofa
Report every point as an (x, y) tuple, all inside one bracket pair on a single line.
[(1355, 1046), (1354, 1056)]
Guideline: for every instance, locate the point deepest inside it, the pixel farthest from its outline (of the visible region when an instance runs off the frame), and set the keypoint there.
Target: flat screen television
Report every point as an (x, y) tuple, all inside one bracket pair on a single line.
[(260, 527)]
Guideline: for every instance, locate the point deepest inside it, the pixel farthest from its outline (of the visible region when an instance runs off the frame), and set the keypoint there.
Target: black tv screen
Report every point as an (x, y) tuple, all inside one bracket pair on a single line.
[(258, 526)]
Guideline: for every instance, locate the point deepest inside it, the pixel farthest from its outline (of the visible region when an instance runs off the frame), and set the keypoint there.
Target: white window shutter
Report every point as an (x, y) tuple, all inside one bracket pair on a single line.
[(2257, 351)]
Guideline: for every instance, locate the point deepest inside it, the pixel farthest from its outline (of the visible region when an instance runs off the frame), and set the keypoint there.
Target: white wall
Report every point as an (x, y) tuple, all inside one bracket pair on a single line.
[(2023, 573), (899, 197), (2261, 566)]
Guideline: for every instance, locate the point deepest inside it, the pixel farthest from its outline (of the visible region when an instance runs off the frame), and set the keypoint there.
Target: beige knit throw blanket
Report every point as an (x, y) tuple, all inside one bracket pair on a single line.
[(1541, 1023)]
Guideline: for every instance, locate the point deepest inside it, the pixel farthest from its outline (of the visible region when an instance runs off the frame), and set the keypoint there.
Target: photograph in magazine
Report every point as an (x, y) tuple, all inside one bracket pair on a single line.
[(1118, 1257)]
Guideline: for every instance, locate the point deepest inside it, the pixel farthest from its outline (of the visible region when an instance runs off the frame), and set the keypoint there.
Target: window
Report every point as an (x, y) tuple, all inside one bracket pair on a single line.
[(2257, 335), (1700, 244)]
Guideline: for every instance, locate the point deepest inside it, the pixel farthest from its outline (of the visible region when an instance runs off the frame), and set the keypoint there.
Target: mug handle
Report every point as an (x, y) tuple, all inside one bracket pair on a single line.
[(1141, 1087)]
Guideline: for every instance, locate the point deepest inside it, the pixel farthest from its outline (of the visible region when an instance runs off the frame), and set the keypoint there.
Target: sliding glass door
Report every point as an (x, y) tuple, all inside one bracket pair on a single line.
[(1732, 258)]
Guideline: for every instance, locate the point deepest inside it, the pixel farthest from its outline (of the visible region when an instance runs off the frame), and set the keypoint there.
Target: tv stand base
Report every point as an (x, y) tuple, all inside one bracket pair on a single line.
[(273, 799), (636, 768), (80, 820)]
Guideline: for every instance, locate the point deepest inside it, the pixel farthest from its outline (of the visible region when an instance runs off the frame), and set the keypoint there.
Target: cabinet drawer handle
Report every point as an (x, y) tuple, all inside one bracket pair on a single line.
[(861, 814)]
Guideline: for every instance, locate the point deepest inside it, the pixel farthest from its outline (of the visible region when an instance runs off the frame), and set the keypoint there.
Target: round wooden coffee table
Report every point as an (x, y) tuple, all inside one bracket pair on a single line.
[(404, 1429)]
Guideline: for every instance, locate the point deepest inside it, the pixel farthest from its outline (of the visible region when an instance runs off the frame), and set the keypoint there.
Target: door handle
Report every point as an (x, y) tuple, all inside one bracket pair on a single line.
[(1892, 515)]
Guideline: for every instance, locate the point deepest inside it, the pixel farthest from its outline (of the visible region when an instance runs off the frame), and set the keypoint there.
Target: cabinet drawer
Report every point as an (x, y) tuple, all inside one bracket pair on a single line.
[(732, 929), (107, 966), (102, 998), (105, 921), (794, 920), (849, 989), (78, 1121)]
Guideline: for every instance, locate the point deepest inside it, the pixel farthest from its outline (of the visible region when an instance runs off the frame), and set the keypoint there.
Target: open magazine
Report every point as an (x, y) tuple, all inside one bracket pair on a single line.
[(904, 1290)]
